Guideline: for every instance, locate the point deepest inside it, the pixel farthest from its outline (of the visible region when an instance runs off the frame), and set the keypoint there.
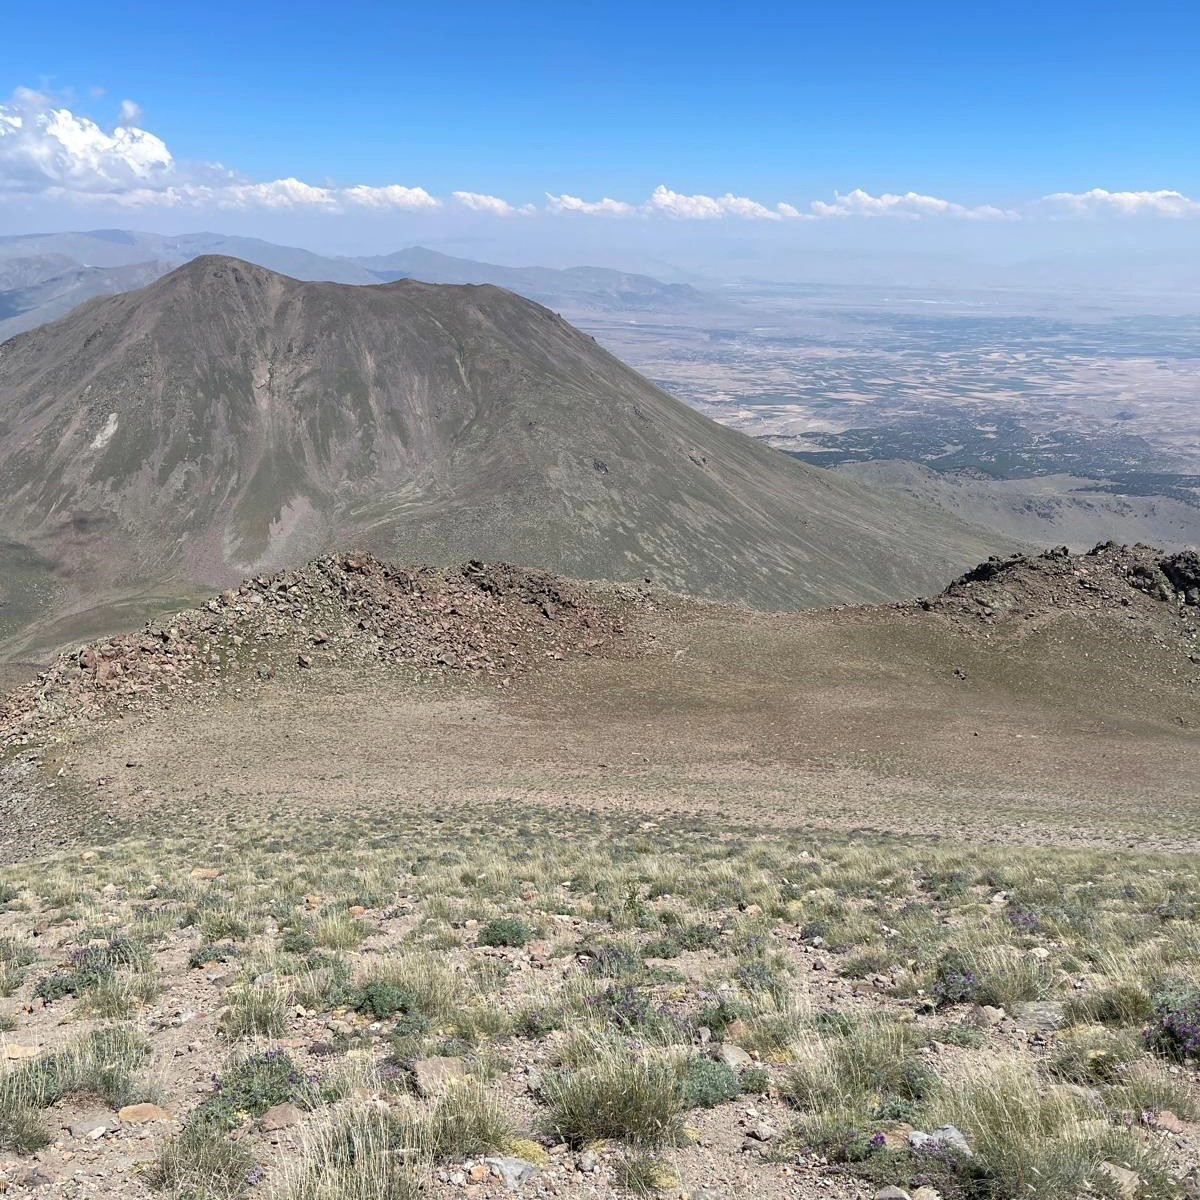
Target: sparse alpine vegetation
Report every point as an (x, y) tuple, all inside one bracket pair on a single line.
[(992, 1021)]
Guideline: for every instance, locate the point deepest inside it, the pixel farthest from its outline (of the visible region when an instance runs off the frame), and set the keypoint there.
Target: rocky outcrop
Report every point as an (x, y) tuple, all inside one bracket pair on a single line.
[(494, 620)]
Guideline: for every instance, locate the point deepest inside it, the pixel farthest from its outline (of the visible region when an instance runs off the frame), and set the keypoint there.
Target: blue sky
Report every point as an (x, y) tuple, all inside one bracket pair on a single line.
[(986, 108)]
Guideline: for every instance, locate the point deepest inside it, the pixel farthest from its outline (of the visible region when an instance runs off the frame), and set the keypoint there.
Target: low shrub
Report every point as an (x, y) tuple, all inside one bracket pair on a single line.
[(1175, 1030), (505, 931), (707, 1083), (252, 1086)]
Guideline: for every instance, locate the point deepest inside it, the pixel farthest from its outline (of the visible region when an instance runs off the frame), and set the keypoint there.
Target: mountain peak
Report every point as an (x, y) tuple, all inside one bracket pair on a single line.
[(227, 419), (206, 268)]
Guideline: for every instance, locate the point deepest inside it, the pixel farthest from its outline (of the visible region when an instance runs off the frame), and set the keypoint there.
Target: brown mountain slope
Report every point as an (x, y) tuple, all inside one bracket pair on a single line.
[(226, 419)]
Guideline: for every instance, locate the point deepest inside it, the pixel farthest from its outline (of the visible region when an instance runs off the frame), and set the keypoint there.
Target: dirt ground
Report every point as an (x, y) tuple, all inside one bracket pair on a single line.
[(832, 720)]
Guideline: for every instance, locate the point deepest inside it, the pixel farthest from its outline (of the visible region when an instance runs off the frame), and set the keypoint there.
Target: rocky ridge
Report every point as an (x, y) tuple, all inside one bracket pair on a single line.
[(499, 622), (491, 620), (1139, 582)]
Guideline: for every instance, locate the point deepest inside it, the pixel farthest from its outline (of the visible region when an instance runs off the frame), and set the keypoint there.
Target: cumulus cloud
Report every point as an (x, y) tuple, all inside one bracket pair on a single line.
[(910, 205), (45, 147), (48, 150), (391, 196), (1099, 202), (606, 207), (792, 213), (707, 208), (492, 205)]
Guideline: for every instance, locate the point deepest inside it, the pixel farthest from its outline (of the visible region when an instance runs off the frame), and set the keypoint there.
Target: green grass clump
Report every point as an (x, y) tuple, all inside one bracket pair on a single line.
[(103, 1064), (212, 952), (337, 929), (1029, 1141), (22, 1129), (222, 925), (642, 1175), (1148, 1086), (94, 969), (256, 1010), (613, 960), (1117, 1004), (466, 1121), (322, 982), (362, 1154), (428, 985), (120, 994), (863, 1070), (1093, 1055), (16, 955), (619, 1097), (505, 931), (202, 1164), (997, 975)]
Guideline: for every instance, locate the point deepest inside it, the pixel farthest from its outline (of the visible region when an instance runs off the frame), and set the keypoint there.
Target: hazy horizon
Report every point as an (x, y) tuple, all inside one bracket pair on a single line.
[(931, 148)]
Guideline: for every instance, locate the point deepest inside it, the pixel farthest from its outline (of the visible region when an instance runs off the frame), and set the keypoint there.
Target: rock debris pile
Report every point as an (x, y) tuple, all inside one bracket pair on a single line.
[(493, 620), (1107, 576)]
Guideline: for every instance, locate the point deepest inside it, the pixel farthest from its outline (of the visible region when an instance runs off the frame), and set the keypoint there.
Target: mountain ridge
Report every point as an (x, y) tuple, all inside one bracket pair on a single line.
[(100, 257), (228, 419)]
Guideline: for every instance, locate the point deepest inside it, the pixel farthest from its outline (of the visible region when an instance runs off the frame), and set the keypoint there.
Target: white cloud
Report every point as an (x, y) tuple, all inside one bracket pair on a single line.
[(391, 196), (280, 193), (43, 147), (605, 207), (50, 151), (492, 205), (707, 208), (1099, 202), (791, 213), (910, 205)]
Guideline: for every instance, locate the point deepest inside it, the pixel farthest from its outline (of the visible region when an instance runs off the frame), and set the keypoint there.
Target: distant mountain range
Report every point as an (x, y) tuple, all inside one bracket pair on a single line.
[(227, 419), (587, 287), (44, 276)]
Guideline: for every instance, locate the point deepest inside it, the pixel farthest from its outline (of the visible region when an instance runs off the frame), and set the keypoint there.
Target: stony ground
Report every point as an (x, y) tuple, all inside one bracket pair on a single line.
[(631, 894)]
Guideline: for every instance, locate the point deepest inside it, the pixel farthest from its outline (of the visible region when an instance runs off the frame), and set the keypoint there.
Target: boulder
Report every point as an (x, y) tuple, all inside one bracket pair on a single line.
[(143, 1114), (1039, 1015), (513, 1172), (280, 1117), (734, 1057), (945, 1135), (1127, 1182)]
